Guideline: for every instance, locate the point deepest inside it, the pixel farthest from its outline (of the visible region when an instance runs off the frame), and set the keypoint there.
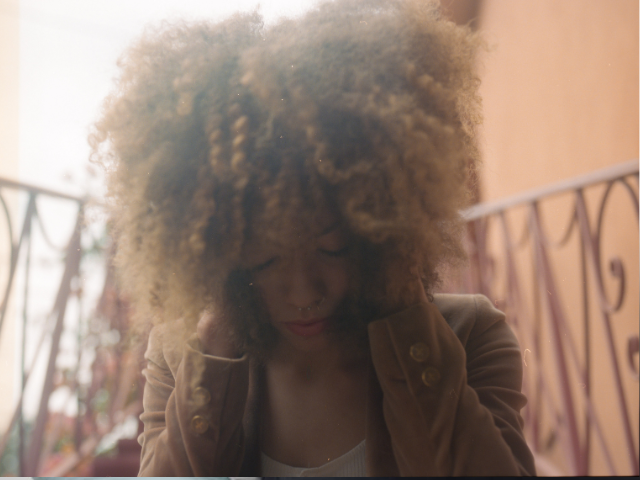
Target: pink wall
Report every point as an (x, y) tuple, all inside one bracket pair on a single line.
[(560, 91)]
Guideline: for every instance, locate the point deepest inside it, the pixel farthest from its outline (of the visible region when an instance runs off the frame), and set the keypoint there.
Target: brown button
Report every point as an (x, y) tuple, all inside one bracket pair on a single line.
[(201, 396), (199, 424), (419, 352), (430, 377)]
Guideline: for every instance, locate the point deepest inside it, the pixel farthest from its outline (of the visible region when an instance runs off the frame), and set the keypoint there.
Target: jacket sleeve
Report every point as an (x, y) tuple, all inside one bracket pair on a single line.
[(451, 411), (184, 397)]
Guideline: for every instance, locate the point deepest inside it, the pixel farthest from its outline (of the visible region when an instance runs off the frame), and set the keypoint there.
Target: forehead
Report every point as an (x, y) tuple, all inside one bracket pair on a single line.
[(291, 232)]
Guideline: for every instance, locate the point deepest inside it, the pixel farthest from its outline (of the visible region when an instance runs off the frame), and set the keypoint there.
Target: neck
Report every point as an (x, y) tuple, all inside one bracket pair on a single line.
[(310, 366)]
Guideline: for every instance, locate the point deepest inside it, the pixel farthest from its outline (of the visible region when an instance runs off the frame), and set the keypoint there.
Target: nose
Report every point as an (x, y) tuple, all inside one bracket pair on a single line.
[(304, 285)]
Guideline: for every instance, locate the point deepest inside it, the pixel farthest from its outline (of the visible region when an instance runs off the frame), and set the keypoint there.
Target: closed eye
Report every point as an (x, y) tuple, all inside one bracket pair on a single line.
[(264, 265), (335, 253)]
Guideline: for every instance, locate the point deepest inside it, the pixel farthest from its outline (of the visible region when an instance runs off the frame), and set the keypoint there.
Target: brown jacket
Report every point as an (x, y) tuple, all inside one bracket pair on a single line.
[(444, 399)]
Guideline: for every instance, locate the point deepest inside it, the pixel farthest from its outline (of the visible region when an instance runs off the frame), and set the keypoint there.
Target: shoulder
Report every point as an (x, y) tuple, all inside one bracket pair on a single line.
[(471, 316), (492, 349)]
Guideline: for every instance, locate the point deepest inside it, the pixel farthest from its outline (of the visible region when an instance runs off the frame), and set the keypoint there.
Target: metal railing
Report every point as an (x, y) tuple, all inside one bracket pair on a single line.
[(36, 448), (520, 275), (563, 416)]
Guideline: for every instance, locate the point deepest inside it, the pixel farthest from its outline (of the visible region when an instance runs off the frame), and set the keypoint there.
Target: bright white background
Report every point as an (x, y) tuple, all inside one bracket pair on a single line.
[(68, 54)]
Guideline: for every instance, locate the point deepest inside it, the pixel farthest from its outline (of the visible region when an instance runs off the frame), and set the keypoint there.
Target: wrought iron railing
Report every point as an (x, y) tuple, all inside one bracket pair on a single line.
[(563, 417), (568, 338), (38, 449)]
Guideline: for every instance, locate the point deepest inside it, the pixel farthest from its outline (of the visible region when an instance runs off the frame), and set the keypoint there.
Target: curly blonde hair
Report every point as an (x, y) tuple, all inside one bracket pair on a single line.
[(367, 106)]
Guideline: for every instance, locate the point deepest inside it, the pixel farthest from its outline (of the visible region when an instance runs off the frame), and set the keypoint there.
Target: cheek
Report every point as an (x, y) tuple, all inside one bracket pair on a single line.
[(333, 279), (269, 289), (337, 280)]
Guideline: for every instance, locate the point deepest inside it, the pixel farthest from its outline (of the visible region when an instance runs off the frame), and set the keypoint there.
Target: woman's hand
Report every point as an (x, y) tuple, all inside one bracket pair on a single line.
[(215, 337), (411, 293)]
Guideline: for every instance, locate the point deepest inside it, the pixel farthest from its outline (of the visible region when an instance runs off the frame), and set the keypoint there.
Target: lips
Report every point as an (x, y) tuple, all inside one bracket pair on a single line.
[(307, 328)]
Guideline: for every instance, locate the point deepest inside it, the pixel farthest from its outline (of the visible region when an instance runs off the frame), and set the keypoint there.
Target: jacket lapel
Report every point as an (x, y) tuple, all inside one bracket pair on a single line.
[(380, 461), (251, 423)]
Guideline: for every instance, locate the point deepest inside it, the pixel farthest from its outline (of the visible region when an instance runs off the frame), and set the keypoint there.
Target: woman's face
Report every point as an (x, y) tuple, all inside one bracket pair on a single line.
[(303, 286)]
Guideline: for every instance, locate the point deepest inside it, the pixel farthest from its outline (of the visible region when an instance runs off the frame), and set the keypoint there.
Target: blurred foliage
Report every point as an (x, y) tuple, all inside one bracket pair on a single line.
[(9, 463)]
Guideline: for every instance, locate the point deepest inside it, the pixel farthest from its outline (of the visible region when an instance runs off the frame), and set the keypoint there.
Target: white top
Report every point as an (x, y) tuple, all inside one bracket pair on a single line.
[(351, 464)]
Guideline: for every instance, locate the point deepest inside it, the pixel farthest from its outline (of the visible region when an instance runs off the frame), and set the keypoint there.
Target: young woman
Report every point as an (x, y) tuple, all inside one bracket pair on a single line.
[(289, 193)]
